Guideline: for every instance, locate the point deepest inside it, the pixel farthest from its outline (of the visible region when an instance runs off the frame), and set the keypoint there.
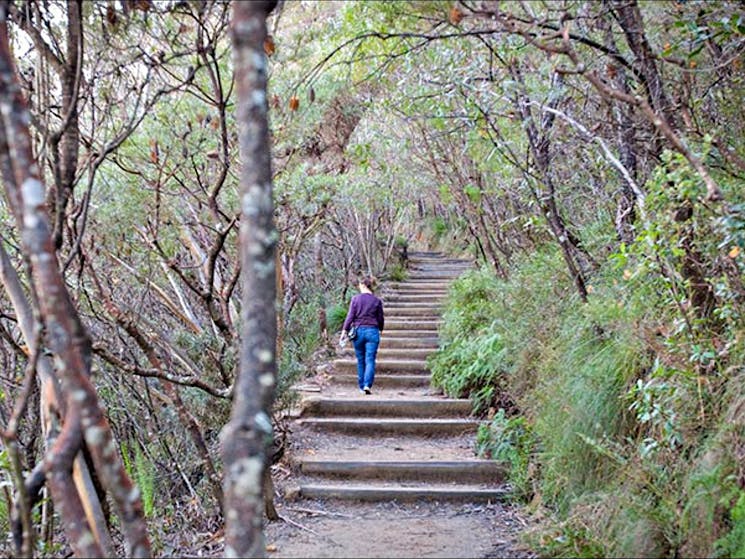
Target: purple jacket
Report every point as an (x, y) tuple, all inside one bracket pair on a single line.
[(365, 310)]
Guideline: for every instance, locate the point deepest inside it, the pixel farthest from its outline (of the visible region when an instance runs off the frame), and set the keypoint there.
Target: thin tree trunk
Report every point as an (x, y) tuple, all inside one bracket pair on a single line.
[(65, 335), (318, 259), (68, 138), (626, 137), (247, 438), (540, 146)]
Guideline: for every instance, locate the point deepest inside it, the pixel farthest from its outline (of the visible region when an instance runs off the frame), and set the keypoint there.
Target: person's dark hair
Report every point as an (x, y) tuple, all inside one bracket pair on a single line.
[(369, 282)]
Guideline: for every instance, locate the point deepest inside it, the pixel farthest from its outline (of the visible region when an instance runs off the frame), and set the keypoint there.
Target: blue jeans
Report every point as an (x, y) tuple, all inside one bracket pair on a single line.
[(366, 348)]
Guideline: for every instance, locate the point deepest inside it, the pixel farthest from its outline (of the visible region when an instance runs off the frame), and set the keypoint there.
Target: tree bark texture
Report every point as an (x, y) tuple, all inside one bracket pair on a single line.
[(247, 437), (539, 139), (68, 136), (83, 421), (630, 18), (626, 141)]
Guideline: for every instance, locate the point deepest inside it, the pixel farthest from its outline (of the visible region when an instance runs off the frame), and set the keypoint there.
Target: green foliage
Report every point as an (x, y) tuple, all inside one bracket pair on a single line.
[(6, 487), (397, 272), (732, 544), (569, 540), (471, 361), (439, 227), (335, 315), (580, 395), (142, 472), (623, 391), (401, 242), (509, 440), (653, 401), (301, 340)]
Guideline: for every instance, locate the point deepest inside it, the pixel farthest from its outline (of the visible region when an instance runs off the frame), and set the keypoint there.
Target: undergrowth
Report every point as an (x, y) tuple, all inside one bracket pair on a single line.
[(623, 417)]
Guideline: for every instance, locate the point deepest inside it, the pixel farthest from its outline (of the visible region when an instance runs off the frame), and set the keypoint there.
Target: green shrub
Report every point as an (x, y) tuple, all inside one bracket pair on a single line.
[(509, 440), (732, 544), (398, 272), (301, 339), (494, 329), (471, 360), (580, 398), (633, 397), (335, 315), (142, 471)]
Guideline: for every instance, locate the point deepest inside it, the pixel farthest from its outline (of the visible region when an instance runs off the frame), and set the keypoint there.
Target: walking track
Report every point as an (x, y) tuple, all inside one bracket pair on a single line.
[(393, 474)]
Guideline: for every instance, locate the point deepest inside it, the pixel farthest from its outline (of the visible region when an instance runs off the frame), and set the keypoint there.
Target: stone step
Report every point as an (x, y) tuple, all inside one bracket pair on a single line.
[(413, 300), (434, 275), (391, 366), (413, 324), (381, 492), (368, 407), (462, 471), (429, 335), (385, 380), (395, 318), (438, 268), (405, 342), (441, 288), (395, 304), (435, 297), (383, 425), (436, 271), (436, 258), (393, 353), (387, 353), (430, 306), (410, 329), (421, 285), (415, 296), (423, 313)]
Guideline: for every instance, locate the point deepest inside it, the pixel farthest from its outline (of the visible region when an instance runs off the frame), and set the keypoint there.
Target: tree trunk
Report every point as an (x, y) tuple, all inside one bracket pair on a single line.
[(247, 437), (65, 336), (626, 139), (68, 137), (539, 140), (318, 259), (630, 18)]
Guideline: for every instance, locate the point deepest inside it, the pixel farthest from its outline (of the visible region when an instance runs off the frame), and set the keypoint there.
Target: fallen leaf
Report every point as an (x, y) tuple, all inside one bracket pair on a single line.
[(735, 252)]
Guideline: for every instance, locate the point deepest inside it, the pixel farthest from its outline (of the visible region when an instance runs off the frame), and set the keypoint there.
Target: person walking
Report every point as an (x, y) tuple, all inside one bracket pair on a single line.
[(366, 315)]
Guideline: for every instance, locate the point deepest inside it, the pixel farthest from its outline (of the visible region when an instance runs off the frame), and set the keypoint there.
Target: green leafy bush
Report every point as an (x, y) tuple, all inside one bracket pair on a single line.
[(398, 272), (509, 440), (733, 543), (142, 471), (471, 361), (335, 315)]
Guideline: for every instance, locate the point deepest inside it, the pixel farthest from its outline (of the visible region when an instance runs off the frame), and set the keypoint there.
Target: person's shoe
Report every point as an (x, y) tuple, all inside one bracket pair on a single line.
[(362, 391), (367, 390)]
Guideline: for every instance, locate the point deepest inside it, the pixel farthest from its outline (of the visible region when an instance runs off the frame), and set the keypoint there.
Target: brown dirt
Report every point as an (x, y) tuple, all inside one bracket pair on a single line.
[(424, 529)]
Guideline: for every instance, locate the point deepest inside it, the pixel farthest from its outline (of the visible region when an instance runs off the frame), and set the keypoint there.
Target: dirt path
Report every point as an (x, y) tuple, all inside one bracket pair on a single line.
[(389, 529), (392, 474)]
